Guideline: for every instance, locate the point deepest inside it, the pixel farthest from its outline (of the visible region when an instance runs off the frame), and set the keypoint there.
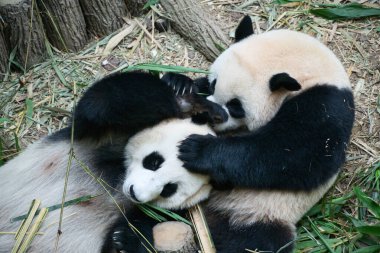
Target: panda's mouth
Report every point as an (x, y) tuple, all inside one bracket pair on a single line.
[(169, 190), (132, 194)]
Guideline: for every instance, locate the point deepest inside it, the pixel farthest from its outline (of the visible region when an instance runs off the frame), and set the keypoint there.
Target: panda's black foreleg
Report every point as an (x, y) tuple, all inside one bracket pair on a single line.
[(275, 236), (123, 238)]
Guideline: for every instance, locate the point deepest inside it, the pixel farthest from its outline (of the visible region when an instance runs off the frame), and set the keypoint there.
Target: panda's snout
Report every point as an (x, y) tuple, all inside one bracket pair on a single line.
[(132, 194)]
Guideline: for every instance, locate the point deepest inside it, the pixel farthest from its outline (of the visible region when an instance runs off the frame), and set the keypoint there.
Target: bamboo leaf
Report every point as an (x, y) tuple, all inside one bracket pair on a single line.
[(369, 230), (349, 11), (2, 120), (29, 108), (286, 1), (369, 249), (368, 202), (57, 206), (164, 68), (150, 3), (316, 230)]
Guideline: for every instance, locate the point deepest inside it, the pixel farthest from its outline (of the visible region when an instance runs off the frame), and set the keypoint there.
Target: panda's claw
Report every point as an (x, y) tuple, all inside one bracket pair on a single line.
[(181, 84)]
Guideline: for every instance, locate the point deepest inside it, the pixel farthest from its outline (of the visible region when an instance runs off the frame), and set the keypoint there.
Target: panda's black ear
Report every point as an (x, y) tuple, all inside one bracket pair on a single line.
[(244, 29), (283, 80)]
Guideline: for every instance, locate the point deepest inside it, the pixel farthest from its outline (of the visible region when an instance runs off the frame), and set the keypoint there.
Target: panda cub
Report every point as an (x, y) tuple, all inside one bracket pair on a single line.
[(293, 95), (111, 112)]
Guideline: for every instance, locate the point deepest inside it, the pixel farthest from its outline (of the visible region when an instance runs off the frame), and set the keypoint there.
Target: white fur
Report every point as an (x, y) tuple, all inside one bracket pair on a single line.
[(243, 71), (39, 172), (246, 206), (147, 184)]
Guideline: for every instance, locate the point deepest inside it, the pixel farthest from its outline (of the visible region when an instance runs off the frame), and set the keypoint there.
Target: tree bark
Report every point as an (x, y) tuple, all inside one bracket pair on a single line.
[(196, 24), (24, 31), (103, 17), (135, 7), (4, 53), (64, 23)]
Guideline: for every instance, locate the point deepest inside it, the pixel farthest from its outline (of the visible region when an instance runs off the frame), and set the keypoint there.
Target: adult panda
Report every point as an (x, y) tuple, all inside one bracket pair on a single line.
[(294, 97), (110, 112)]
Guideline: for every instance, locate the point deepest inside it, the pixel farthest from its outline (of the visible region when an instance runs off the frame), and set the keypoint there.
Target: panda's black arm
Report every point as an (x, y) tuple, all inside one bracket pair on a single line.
[(122, 103), (299, 149)]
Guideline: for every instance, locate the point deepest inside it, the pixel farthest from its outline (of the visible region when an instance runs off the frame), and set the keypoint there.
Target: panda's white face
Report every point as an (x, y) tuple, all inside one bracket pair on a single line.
[(154, 173), (242, 72)]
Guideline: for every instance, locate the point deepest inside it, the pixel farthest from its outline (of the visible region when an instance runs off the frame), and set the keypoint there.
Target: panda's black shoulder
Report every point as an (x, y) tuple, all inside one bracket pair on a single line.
[(124, 102)]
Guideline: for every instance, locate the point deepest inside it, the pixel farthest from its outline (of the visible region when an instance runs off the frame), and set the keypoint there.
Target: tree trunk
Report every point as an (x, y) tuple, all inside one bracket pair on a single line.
[(4, 53), (24, 31), (196, 24), (64, 23), (103, 17), (135, 7)]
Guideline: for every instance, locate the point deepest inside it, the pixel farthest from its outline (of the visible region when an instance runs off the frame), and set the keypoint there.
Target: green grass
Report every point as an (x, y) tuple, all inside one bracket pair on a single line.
[(348, 223)]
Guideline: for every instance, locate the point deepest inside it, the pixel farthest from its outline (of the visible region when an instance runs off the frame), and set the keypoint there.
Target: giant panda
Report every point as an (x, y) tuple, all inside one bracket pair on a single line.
[(293, 97), (110, 112)]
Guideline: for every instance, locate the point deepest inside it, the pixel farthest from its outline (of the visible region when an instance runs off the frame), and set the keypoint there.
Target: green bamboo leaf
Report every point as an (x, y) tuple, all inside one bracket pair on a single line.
[(369, 249), (29, 108), (349, 11), (323, 239), (2, 120), (369, 230), (164, 68), (286, 1), (368, 202), (150, 3), (58, 206)]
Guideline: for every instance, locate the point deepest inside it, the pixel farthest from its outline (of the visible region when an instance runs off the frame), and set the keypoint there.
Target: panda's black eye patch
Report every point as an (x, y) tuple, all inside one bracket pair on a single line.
[(169, 190), (235, 108), (153, 161)]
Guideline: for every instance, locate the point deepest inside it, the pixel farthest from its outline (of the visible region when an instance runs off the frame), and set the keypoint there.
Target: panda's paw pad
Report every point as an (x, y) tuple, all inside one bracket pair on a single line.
[(192, 152)]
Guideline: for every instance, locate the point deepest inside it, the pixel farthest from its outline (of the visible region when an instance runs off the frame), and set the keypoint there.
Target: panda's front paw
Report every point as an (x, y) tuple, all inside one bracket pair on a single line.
[(119, 242), (124, 241), (194, 151), (181, 84)]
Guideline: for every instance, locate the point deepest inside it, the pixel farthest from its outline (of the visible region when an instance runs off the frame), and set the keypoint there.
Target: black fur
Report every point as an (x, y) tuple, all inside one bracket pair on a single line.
[(109, 161), (244, 29), (123, 103), (153, 161), (169, 190), (235, 108), (261, 236), (283, 80), (183, 85), (299, 149), (121, 237)]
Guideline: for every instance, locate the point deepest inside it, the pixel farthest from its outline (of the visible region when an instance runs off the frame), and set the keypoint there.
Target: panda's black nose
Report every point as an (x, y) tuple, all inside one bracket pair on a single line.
[(132, 194)]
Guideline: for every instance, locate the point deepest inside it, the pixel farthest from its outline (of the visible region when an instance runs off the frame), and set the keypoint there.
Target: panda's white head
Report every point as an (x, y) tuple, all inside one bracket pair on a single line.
[(256, 74), (154, 173)]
